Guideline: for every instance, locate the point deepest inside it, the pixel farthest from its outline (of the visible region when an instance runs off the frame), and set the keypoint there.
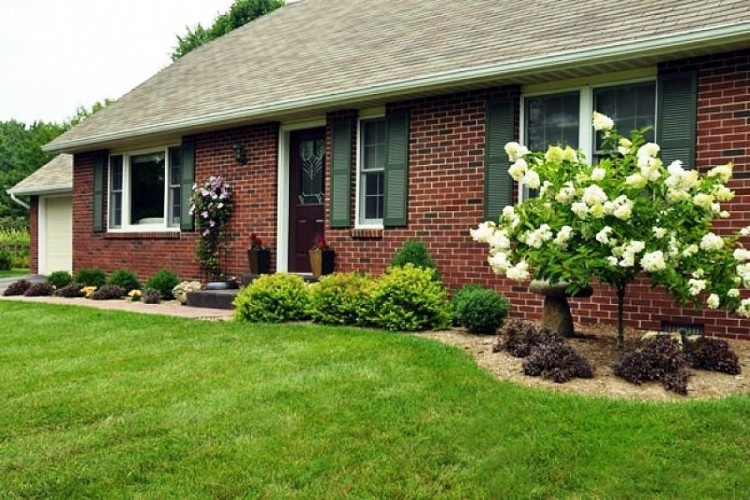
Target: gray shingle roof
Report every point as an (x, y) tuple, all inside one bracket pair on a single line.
[(56, 176), (314, 52)]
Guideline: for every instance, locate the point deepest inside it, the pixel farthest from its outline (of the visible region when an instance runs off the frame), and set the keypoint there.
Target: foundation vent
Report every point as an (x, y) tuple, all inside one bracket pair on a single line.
[(687, 328)]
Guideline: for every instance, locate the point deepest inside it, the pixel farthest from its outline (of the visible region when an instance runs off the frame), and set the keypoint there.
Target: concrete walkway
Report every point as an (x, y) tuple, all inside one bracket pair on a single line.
[(172, 308)]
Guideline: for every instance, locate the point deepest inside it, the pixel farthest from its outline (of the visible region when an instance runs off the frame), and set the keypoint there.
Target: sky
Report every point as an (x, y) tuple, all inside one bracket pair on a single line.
[(57, 55)]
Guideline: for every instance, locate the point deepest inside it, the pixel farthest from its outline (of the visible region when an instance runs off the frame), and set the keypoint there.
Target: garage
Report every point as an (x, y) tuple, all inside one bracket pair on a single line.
[(50, 197)]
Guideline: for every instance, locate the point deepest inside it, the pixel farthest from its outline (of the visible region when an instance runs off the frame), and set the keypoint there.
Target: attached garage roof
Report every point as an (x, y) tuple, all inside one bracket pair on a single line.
[(316, 55), (54, 177)]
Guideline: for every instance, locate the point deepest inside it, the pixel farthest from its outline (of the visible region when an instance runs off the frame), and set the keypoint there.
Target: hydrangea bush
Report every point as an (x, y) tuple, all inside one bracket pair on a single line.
[(625, 215), (211, 204)]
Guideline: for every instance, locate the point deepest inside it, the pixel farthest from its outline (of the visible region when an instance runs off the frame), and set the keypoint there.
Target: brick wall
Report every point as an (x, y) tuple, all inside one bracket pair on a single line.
[(254, 188)]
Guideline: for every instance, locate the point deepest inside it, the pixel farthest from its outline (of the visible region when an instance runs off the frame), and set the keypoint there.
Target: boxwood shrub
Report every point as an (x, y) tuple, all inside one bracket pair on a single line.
[(273, 298), (480, 310), (163, 281), (125, 279), (90, 277), (60, 279), (342, 299), (408, 298)]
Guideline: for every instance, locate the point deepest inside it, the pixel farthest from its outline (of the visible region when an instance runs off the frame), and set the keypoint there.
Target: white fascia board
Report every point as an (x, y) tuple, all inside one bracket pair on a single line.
[(653, 46), (52, 189)]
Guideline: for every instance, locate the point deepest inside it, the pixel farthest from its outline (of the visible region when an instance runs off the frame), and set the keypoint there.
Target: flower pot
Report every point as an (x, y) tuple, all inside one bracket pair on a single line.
[(260, 260), (321, 261)]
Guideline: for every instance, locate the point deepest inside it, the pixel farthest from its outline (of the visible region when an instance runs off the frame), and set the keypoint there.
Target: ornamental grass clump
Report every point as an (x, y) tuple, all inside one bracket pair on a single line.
[(273, 298), (629, 214)]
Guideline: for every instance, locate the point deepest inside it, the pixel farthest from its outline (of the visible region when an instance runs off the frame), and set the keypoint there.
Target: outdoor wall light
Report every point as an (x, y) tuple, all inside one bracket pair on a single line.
[(240, 156)]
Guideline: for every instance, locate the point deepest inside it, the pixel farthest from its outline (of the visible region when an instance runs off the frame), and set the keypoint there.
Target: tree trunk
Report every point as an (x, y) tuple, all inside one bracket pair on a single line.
[(620, 315)]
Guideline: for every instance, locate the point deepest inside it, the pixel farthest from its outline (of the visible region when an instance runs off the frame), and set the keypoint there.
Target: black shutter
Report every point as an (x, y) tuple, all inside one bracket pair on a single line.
[(677, 95), (187, 179), (98, 201), (396, 169), (498, 184), (341, 172)]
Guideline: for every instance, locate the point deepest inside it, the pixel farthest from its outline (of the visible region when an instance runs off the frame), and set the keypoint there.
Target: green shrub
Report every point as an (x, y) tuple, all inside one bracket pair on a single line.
[(17, 242), (60, 279), (6, 260), (90, 277), (151, 296), (273, 298), (458, 297), (163, 281), (108, 292), (17, 288), (124, 279), (481, 310), (413, 252), (341, 299), (43, 289), (408, 299)]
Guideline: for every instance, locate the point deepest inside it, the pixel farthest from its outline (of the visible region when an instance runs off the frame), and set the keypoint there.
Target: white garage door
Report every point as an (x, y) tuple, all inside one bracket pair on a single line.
[(56, 242)]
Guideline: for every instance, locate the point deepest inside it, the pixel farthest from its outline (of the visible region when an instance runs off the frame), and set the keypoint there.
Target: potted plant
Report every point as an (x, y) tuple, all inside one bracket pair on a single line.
[(322, 258), (258, 255)]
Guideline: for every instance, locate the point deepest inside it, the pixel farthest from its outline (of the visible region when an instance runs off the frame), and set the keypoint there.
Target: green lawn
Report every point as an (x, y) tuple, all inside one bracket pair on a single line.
[(106, 404), (16, 271)]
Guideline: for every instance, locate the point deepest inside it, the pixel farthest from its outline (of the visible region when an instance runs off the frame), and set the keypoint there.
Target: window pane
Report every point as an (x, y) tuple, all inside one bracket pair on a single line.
[(631, 107), (175, 188), (374, 194), (311, 164), (115, 191), (552, 120), (373, 144), (147, 189)]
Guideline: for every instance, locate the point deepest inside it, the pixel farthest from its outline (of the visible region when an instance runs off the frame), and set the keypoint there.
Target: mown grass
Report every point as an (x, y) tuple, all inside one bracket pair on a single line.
[(16, 271), (107, 404)]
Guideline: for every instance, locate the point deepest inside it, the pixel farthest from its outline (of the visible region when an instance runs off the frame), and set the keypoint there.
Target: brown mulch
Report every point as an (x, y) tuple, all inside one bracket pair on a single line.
[(598, 345)]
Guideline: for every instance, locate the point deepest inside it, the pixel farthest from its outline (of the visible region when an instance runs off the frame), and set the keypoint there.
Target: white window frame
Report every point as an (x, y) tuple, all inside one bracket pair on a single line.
[(359, 203), (586, 134), (127, 226)]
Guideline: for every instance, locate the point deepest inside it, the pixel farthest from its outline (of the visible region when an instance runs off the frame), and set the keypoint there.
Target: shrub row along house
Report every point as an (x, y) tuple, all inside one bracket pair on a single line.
[(370, 122)]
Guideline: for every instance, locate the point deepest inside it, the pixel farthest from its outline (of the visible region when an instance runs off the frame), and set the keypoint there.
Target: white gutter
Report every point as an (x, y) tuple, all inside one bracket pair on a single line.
[(13, 197), (657, 45)]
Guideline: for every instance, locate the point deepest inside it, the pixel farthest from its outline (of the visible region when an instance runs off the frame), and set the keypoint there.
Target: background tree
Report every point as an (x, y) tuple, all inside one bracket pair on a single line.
[(240, 13)]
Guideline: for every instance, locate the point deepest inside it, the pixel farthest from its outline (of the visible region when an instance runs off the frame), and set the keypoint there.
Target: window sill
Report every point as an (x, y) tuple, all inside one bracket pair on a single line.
[(367, 233), (143, 235)]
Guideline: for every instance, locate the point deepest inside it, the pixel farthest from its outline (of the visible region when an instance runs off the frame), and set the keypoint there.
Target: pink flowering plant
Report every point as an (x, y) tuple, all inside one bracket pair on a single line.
[(211, 204), (628, 214)]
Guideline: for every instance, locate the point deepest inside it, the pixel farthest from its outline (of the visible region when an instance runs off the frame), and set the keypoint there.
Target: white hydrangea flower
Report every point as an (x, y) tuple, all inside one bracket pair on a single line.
[(653, 261), (698, 273), (712, 242), (519, 272), (696, 286), (624, 146), (713, 301), (570, 154), (509, 212), (531, 179), (612, 260), (677, 195), (566, 194), (659, 232), (650, 168), (580, 209), (554, 154), (483, 232), (602, 123), (565, 233), (597, 211), (516, 150), (723, 193), (539, 236), (703, 201), (545, 187), (603, 235), (741, 254), (724, 214), (636, 180), (690, 250), (743, 273), (733, 293), (593, 194), (499, 240), (624, 211), (499, 262), (518, 169), (744, 308), (745, 231), (723, 172), (649, 149), (598, 174)]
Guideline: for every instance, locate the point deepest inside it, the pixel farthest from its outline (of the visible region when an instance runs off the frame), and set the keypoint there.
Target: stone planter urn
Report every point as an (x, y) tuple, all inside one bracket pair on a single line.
[(556, 315)]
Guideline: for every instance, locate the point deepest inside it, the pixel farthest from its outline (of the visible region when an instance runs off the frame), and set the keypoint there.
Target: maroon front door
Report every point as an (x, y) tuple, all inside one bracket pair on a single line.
[(306, 194)]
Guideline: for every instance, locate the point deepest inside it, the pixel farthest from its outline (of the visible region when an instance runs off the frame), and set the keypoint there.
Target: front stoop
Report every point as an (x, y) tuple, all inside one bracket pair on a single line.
[(212, 299)]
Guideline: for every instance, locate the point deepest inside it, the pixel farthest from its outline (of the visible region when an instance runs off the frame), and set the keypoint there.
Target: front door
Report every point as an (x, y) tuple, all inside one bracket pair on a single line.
[(306, 195)]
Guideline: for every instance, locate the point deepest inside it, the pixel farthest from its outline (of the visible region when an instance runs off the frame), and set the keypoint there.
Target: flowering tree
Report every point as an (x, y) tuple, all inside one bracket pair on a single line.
[(625, 215), (211, 205)]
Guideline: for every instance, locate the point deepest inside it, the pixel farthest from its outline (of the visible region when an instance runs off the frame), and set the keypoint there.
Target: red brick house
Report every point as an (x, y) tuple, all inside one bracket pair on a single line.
[(374, 121)]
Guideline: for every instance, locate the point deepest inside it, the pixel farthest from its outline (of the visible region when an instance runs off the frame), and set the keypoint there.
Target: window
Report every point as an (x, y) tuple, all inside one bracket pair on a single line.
[(144, 190), (552, 120), (630, 106), (372, 158)]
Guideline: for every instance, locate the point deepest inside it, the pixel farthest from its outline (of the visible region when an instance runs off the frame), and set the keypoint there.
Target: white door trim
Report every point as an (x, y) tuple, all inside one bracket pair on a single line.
[(41, 240), (282, 187)]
